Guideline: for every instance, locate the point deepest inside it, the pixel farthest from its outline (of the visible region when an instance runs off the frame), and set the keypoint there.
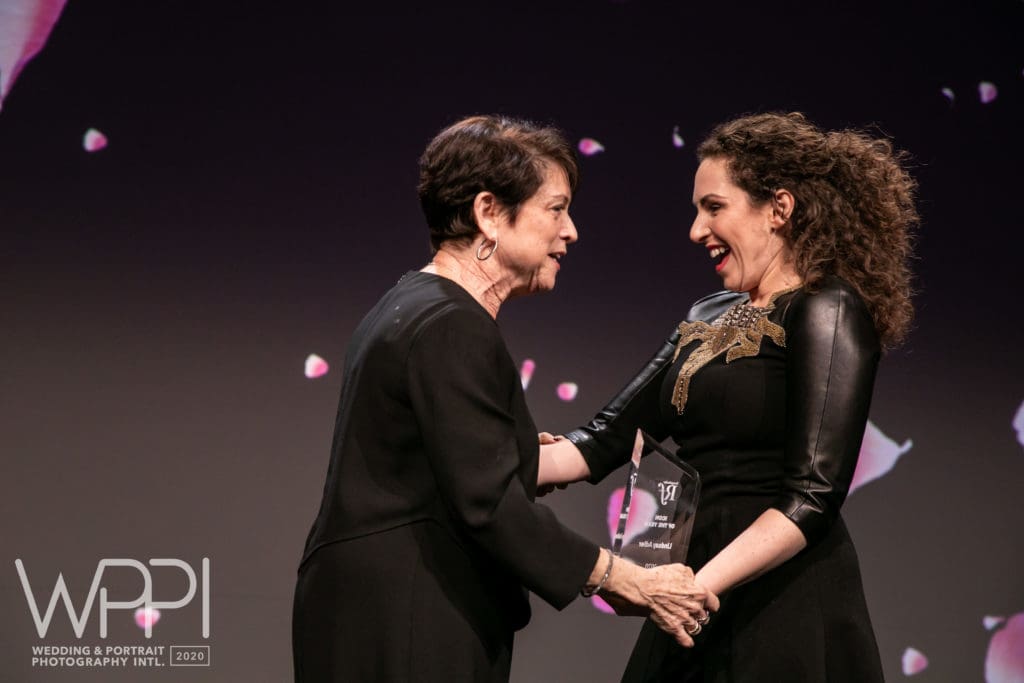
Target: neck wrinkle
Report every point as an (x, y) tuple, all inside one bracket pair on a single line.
[(475, 276)]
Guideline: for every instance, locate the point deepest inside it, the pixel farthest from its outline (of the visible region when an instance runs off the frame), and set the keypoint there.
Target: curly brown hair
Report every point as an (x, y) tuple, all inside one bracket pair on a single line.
[(854, 212), (498, 154)]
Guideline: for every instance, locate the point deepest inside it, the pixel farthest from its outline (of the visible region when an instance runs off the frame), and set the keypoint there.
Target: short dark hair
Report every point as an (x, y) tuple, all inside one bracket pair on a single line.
[(495, 154)]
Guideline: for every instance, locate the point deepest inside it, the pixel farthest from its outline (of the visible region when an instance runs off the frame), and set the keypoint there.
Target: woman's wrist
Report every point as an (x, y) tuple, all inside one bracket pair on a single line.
[(598, 581), (709, 581), (561, 463)]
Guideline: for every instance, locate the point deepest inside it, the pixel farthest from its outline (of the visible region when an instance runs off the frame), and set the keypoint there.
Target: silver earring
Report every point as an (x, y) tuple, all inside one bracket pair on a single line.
[(490, 253)]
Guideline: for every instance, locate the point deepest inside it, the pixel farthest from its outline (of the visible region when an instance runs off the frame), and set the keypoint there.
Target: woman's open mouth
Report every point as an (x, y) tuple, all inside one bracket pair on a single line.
[(720, 255)]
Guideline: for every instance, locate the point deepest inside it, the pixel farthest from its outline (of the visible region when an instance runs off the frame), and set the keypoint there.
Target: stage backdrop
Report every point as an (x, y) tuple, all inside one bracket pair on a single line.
[(197, 197)]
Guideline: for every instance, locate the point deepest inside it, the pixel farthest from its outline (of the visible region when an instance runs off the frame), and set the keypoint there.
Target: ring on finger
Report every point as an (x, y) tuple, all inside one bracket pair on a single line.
[(704, 619), (696, 629)]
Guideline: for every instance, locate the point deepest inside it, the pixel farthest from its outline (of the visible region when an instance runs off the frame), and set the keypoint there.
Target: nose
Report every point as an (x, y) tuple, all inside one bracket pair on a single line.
[(569, 233), (699, 231)]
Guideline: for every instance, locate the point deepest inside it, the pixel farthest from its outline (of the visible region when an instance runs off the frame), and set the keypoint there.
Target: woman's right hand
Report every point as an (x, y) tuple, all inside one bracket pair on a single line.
[(668, 595)]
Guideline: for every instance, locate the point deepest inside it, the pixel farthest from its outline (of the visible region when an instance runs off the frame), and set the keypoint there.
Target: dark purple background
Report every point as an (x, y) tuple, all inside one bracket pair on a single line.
[(158, 298)]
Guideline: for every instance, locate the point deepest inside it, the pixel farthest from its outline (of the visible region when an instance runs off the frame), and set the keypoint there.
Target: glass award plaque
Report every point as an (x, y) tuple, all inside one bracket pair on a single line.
[(658, 506)]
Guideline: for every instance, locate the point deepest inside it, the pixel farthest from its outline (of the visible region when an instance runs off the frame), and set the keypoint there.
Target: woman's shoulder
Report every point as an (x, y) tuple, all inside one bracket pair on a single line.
[(421, 302), (432, 296), (713, 305), (830, 306), (425, 306), (832, 284), (832, 292)]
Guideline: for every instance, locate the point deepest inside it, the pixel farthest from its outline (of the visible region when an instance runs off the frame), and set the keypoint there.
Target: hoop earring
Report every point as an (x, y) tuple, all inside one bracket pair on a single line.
[(490, 253)]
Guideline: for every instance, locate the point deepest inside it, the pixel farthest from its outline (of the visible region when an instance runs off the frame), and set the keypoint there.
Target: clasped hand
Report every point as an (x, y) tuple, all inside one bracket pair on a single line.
[(668, 595)]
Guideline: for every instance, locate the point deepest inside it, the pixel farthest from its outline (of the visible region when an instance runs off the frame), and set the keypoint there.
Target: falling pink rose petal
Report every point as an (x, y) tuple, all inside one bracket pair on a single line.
[(1018, 424), (24, 28), (913, 662), (677, 139), (987, 92), (1004, 662), (316, 366), (601, 605), (589, 147), (567, 391), (93, 140), (641, 511), (948, 94), (991, 623), (526, 372), (878, 455), (614, 506), (146, 617)]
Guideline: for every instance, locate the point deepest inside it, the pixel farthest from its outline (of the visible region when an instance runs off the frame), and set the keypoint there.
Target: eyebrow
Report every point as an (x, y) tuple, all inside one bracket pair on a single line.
[(703, 201), (558, 196)]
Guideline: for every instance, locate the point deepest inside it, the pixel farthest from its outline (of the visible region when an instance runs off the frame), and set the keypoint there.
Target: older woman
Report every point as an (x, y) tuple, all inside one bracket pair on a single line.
[(428, 534), (765, 388)]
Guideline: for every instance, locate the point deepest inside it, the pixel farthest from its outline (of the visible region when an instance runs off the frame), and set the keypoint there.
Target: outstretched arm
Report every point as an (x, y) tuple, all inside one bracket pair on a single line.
[(561, 463), (606, 442)]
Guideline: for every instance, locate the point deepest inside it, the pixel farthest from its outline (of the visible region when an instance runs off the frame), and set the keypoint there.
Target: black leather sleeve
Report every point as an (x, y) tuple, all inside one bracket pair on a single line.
[(831, 360), (607, 441)]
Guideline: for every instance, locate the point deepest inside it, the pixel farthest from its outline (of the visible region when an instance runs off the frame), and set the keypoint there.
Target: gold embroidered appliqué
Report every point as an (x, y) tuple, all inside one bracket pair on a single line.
[(737, 332)]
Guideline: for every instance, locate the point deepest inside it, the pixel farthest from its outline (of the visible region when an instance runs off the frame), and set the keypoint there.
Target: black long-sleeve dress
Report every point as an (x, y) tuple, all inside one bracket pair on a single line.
[(427, 538), (769, 405)]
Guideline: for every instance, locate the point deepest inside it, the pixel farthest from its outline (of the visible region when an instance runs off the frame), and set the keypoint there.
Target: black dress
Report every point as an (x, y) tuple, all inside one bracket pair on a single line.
[(769, 405), (427, 538)]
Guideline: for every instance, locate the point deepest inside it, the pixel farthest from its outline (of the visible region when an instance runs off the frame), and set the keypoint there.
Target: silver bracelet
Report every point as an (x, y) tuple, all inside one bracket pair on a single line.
[(588, 592)]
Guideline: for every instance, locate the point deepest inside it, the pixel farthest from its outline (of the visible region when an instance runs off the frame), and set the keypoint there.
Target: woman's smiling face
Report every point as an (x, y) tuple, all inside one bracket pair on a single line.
[(739, 236)]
